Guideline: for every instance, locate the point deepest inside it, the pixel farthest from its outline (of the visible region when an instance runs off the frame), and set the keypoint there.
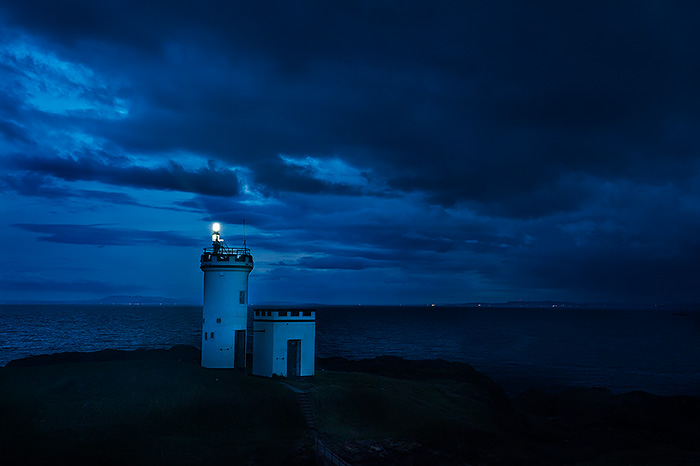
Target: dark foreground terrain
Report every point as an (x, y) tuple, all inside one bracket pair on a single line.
[(159, 407)]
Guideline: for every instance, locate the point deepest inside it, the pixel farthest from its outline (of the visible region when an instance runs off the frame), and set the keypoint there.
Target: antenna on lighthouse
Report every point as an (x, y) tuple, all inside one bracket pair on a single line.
[(244, 246)]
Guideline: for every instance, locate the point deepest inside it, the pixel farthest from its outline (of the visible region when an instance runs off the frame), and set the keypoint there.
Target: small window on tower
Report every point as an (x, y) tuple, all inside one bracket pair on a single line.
[(307, 313), (241, 297), (211, 335), (205, 335), (283, 313), (218, 320), (295, 313)]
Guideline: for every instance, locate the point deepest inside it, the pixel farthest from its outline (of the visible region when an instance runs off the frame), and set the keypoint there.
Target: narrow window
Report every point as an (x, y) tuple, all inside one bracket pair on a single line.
[(218, 320), (241, 297), (295, 313), (269, 313), (307, 313), (211, 335), (283, 313), (205, 335)]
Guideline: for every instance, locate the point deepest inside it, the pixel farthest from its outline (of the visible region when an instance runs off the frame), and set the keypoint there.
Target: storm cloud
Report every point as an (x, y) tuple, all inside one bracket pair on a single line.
[(472, 151)]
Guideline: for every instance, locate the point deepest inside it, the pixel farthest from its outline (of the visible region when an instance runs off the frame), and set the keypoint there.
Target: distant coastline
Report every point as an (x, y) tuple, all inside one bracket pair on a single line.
[(162, 300)]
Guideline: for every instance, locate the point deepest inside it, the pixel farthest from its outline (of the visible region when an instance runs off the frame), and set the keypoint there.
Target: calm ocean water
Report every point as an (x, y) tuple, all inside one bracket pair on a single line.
[(622, 350)]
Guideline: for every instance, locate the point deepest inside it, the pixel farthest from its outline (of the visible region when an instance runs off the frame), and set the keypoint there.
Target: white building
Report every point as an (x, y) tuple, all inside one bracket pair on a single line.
[(225, 309), (284, 342)]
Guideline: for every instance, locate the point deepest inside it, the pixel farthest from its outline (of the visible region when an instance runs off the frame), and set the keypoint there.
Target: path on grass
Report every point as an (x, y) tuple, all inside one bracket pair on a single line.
[(327, 455)]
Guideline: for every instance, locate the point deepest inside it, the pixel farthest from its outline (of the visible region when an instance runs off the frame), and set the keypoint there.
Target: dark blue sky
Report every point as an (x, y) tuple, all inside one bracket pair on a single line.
[(380, 152)]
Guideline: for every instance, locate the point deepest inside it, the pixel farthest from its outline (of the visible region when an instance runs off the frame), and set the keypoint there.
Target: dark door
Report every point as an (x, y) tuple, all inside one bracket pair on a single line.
[(239, 350), (293, 358)]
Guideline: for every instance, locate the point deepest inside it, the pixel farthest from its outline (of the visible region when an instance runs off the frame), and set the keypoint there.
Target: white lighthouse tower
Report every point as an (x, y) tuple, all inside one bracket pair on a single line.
[(225, 308)]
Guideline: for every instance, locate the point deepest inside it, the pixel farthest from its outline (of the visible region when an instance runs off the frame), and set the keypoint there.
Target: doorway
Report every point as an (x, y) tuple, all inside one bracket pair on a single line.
[(239, 350), (293, 358)]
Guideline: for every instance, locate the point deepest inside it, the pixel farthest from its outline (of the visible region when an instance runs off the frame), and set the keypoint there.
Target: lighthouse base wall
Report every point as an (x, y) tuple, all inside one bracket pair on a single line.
[(224, 349)]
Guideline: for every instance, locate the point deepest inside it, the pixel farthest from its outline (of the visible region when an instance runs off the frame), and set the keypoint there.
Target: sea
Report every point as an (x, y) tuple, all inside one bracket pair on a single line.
[(656, 351)]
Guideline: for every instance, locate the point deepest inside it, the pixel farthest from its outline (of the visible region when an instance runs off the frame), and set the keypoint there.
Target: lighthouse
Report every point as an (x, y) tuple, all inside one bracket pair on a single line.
[(225, 310)]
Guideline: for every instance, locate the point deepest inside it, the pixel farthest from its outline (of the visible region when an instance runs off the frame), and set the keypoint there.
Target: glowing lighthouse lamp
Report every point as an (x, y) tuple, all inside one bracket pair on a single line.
[(225, 310)]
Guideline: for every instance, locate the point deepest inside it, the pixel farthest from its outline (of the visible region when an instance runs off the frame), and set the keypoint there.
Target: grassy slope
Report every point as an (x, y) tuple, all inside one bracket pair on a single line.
[(154, 412), (168, 412), (372, 419), (144, 412), (356, 406)]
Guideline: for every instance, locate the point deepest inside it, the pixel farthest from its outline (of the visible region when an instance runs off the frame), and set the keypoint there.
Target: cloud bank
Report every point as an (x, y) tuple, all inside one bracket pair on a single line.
[(469, 151)]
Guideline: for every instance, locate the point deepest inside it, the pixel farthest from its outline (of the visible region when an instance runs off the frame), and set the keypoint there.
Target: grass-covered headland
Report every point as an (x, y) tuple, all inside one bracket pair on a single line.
[(159, 408)]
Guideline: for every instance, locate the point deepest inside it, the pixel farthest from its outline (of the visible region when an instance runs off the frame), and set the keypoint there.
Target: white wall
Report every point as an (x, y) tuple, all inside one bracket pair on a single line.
[(270, 345)]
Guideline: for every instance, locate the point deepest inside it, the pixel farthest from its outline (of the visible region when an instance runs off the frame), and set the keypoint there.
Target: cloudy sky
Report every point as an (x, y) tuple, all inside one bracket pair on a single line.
[(379, 152)]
